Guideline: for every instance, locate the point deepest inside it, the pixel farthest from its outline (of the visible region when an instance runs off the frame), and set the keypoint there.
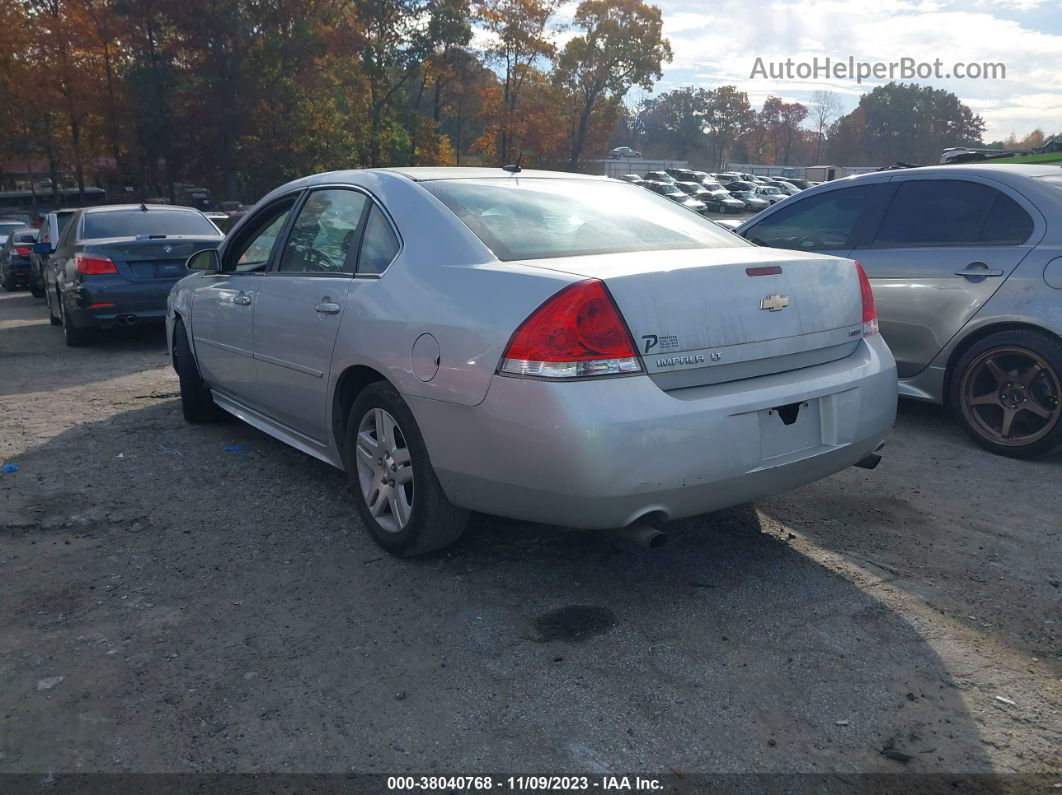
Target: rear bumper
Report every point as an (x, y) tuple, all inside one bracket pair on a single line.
[(601, 454), (18, 272), (114, 302)]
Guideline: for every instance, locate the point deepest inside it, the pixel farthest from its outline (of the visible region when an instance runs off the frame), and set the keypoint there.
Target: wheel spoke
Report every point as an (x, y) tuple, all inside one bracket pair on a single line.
[(400, 509), (1008, 421), (404, 474), (987, 399), (385, 429), (401, 456), (378, 501), (1030, 375), (1033, 406), (368, 449), (997, 371)]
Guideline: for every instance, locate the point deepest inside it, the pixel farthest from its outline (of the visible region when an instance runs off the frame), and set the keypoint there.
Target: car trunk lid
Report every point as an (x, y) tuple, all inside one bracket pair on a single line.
[(151, 259), (708, 316)]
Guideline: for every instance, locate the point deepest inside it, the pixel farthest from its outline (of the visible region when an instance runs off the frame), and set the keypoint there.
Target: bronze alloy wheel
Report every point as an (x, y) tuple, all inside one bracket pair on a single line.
[(1010, 395)]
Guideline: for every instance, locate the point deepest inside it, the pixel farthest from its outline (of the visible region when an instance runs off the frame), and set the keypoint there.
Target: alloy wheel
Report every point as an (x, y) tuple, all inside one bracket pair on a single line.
[(1011, 396), (385, 470)]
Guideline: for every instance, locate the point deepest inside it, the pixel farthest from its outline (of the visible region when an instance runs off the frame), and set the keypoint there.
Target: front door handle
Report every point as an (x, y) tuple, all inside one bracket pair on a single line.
[(327, 307), (976, 271), (242, 299)]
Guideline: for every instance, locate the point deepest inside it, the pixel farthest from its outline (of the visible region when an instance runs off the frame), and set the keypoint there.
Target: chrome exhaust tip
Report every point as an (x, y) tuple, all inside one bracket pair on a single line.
[(644, 535)]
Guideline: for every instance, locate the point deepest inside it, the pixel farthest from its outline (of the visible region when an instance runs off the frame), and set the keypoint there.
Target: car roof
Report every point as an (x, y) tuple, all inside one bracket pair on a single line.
[(429, 173)]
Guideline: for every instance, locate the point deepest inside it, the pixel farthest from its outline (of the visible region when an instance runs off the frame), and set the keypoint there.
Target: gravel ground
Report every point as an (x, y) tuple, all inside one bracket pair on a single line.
[(171, 606)]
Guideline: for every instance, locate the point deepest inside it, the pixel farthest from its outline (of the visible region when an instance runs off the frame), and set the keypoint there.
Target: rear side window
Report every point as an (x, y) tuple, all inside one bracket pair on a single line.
[(824, 222), (951, 212), (379, 245), (131, 223), (1007, 224)]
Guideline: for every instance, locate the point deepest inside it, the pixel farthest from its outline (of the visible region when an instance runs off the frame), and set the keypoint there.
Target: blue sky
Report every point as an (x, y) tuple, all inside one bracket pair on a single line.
[(716, 42)]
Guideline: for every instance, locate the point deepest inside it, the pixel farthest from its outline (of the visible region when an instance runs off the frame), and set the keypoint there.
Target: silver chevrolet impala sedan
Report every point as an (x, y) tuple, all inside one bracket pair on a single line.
[(543, 346)]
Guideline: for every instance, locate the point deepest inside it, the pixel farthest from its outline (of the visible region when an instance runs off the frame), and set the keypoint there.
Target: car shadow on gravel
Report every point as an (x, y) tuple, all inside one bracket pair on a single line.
[(212, 604), (44, 359)]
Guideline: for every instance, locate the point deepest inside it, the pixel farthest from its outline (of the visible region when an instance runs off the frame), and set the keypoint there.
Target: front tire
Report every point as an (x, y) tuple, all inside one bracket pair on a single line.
[(197, 404), (396, 491), (1006, 391)]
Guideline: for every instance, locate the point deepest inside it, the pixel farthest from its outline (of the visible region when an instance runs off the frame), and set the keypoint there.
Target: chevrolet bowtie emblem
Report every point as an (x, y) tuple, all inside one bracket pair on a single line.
[(775, 302)]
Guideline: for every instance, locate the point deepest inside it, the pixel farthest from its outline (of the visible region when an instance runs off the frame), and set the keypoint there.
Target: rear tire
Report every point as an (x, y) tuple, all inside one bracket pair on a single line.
[(197, 404), (7, 281), (1006, 392), (74, 337), (432, 521), (51, 317)]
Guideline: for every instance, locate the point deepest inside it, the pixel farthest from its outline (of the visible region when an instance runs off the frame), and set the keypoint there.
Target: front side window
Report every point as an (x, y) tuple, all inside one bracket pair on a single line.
[(254, 250), (828, 221), (542, 218), (324, 234)]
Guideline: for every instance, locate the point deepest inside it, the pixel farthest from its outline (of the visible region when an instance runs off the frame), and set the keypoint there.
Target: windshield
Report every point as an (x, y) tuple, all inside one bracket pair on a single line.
[(7, 229), (131, 223), (541, 218)]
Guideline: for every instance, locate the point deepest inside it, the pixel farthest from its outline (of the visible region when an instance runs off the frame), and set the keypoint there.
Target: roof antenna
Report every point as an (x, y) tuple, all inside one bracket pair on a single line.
[(512, 168), (143, 207)]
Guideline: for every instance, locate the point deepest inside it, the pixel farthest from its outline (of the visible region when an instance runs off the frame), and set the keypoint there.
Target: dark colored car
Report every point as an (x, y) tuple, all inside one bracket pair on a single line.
[(718, 201), (658, 176), (114, 265), (746, 192), (15, 258), (52, 226), (721, 200)]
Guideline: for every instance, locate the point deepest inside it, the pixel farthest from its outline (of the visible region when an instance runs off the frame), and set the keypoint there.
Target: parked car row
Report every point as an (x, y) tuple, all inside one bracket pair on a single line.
[(106, 266), (727, 192), (417, 327)]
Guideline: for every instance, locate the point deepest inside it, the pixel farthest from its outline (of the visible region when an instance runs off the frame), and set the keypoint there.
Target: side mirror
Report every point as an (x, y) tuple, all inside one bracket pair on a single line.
[(206, 261), (42, 248)]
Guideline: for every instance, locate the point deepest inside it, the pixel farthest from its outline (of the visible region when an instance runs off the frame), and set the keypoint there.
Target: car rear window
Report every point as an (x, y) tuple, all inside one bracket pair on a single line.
[(542, 218), (130, 223)]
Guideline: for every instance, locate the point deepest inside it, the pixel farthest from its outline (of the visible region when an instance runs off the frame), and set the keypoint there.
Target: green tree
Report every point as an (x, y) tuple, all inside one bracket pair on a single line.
[(622, 46)]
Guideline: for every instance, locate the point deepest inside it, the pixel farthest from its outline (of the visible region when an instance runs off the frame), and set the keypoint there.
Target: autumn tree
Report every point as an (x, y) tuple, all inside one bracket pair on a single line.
[(519, 36), (728, 117), (622, 46)]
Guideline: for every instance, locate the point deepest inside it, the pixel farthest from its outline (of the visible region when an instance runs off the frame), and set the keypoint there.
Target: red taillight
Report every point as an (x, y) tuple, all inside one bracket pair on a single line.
[(93, 266), (578, 332), (870, 310), (22, 251)]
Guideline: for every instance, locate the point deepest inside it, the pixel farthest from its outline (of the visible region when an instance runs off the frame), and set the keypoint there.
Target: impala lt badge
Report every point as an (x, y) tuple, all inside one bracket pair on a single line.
[(775, 302)]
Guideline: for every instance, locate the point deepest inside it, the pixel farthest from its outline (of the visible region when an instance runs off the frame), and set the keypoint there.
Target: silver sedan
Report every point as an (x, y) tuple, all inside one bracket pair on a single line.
[(549, 347)]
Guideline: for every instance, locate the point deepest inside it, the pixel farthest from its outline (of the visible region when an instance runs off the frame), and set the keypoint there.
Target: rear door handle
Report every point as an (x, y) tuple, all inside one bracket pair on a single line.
[(327, 308), (242, 299), (978, 270)]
